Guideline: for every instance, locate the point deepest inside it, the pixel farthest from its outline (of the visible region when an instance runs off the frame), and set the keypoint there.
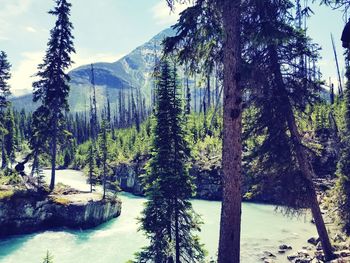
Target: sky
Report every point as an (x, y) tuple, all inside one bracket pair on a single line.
[(105, 30)]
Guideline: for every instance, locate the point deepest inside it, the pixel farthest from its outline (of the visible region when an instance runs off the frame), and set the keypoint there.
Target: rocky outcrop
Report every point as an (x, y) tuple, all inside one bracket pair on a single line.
[(127, 175), (28, 212), (207, 181), (206, 178)]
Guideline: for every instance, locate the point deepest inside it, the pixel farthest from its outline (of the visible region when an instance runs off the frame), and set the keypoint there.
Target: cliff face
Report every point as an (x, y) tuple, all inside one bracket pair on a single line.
[(206, 179), (29, 212), (128, 177)]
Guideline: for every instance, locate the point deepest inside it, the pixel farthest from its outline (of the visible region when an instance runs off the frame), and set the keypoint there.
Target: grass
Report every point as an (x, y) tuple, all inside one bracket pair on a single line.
[(6, 194), (61, 200)]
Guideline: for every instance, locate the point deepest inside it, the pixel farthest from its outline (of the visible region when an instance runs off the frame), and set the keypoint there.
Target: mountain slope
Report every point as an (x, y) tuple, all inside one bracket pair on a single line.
[(131, 72)]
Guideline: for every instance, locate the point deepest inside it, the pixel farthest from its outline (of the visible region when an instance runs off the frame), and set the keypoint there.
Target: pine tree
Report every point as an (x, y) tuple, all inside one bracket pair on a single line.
[(52, 88), (168, 218), (93, 171), (10, 136), (135, 113), (48, 258), (104, 152), (4, 86), (284, 89), (38, 144), (4, 103), (93, 107), (200, 29)]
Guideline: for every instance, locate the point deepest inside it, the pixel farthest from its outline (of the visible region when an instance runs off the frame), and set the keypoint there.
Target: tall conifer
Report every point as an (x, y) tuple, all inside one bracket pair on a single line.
[(52, 88), (4, 93), (168, 218)]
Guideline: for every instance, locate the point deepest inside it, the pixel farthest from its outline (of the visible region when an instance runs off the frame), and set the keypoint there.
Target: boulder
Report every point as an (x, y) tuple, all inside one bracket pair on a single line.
[(285, 247), (313, 240), (269, 254), (338, 238)]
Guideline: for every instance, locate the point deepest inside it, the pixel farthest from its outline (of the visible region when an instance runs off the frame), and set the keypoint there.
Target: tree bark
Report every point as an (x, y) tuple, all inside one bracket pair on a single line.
[(177, 233), (53, 154), (230, 224), (208, 91)]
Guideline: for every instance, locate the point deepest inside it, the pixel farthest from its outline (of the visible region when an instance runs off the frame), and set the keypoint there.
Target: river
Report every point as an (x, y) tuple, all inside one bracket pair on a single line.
[(263, 229)]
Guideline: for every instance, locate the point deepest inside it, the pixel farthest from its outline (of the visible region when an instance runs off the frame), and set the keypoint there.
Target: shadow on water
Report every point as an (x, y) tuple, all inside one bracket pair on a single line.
[(12, 244)]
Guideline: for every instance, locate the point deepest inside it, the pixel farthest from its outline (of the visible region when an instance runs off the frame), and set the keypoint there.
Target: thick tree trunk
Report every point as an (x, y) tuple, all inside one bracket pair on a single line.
[(230, 225), (301, 155)]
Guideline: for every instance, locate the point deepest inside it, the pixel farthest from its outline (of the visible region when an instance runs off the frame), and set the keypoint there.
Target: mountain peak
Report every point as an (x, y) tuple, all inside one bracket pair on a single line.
[(132, 71)]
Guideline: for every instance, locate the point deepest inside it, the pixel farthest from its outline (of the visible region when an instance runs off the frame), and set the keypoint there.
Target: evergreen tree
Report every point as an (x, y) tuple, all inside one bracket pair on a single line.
[(38, 144), (168, 218), (200, 29), (104, 152), (52, 88), (10, 136), (4, 86), (48, 258), (135, 112), (93, 107), (4, 103), (282, 91), (93, 171)]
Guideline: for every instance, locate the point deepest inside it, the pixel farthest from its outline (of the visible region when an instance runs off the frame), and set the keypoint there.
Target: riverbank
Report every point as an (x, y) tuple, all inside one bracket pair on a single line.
[(312, 252), (27, 211)]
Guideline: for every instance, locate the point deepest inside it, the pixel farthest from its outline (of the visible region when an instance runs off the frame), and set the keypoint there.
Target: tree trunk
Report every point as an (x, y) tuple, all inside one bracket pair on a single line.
[(301, 155), (195, 92), (3, 154), (104, 180), (208, 91), (230, 225), (53, 154), (177, 233), (307, 171)]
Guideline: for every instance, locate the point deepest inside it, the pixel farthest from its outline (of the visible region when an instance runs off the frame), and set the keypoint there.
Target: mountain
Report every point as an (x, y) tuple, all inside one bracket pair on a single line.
[(131, 72)]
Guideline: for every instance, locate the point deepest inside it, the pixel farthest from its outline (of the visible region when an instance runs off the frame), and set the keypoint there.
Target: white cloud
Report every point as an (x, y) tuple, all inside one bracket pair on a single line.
[(22, 76), (14, 7), (3, 38), (9, 10), (164, 16), (21, 79), (30, 29)]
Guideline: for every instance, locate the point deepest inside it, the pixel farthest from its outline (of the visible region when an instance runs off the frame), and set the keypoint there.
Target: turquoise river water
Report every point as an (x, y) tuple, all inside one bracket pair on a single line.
[(263, 229)]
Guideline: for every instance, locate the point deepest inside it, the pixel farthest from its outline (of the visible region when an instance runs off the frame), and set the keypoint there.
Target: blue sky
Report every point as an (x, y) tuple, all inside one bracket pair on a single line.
[(105, 30)]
